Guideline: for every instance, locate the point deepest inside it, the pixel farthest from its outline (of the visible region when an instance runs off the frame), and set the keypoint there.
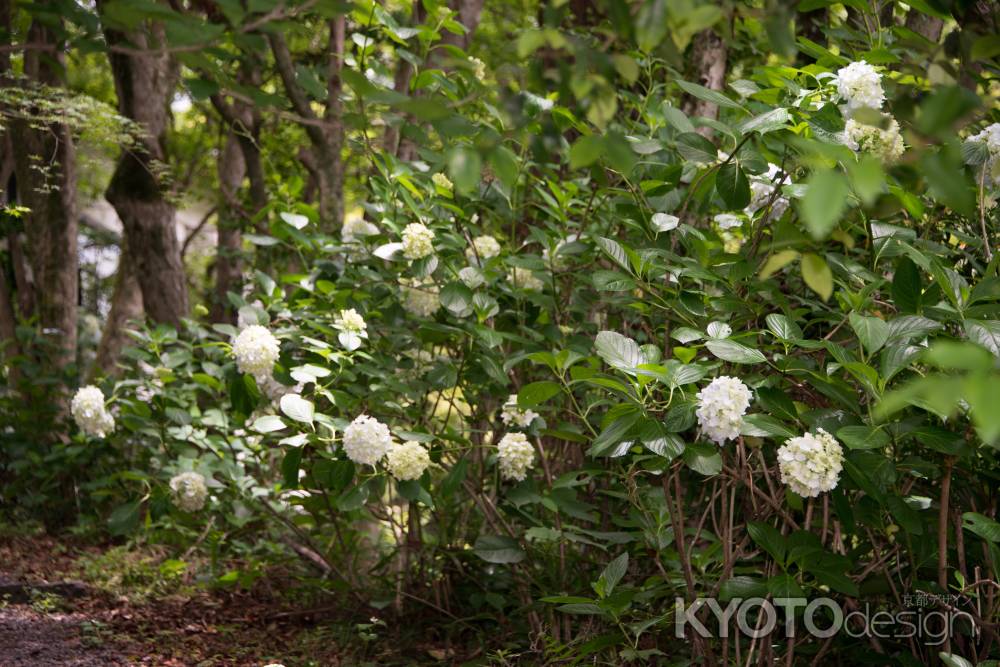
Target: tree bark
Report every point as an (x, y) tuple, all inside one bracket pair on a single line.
[(925, 25), (8, 316), (326, 135), (126, 305), (228, 270), (45, 169), (239, 159), (469, 14), (708, 58), (145, 85)]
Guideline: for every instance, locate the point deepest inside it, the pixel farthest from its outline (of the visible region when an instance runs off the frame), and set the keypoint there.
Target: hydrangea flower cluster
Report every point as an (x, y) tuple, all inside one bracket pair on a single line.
[(990, 137), (478, 68), (420, 297), (860, 86), (90, 413), (355, 228), (525, 279), (728, 220), (721, 406), (366, 440), (408, 461), (418, 241), (189, 491), (442, 181), (514, 416), (482, 249), (515, 455), (352, 328), (762, 189), (884, 143), (256, 351), (811, 464)]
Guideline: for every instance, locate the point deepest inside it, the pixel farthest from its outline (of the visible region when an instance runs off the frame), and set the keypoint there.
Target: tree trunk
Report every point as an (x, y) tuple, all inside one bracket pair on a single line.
[(323, 159), (469, 13), (51, 226), (708, 58), (232, 169), (126, 305), (925, 25), (145, 85), (239, 158), (8, 316)]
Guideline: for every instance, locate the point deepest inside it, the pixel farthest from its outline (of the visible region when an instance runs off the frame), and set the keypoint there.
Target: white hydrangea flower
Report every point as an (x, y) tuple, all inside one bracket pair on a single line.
[(408, 460), (482, 249), (515, 455), (256, 351), (356, 228), (472, 277), (418, 241), (89, 412), (810, 464), (442, 181), (144, 394), (478, 68), (420, 297), (761, 190), (352, 328), (366, 440), (886, 144), (728, 220), (860, 86), (990, 137), (515, 416), (274, 390), (189, 491), (525, 279), (721, 406)]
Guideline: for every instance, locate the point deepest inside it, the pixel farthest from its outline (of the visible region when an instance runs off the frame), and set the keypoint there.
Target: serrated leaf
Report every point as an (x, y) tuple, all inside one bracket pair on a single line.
[(730, 350), (618, 351)]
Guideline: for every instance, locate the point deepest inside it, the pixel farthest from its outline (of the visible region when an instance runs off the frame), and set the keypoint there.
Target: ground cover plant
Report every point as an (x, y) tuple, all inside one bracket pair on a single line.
[(518, 332)]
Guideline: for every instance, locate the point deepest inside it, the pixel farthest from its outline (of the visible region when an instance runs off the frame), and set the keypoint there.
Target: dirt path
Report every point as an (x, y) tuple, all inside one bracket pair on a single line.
[(29, 638)]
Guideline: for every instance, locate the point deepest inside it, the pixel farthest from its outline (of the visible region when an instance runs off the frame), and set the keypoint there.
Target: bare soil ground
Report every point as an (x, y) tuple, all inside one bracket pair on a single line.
[(203, 628)]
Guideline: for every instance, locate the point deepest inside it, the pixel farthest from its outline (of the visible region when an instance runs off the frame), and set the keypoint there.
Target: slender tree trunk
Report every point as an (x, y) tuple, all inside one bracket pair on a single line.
[(51, 225), (126, 306), (145, 85), (708, 58), (8, 316), (232, 169), (925, 25), (469, 14), (323, 158), (240, 158)]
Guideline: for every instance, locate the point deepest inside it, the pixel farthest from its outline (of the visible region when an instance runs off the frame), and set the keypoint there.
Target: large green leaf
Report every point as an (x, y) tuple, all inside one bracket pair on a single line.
[(498, 549)]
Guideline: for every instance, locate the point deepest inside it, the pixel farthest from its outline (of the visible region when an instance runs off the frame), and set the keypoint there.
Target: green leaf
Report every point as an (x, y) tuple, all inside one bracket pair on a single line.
[(824, 202), (498, 549), (730, 350), (906, 286), (297, 408), (782, 327), (696, 148), (863, 437), (982, 525), (464, 168), (952, 660), (586, 151), (817, 274), (614, 572), (709, 95), (703, 458), (769, 539), (268, 424), (618, 351), (742, 587), (769, 121), (733, 186), (871, 331), (537, 392)]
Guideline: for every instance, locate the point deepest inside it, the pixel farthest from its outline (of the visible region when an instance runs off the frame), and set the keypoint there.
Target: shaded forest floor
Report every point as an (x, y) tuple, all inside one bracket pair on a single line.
[(124, 614)]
